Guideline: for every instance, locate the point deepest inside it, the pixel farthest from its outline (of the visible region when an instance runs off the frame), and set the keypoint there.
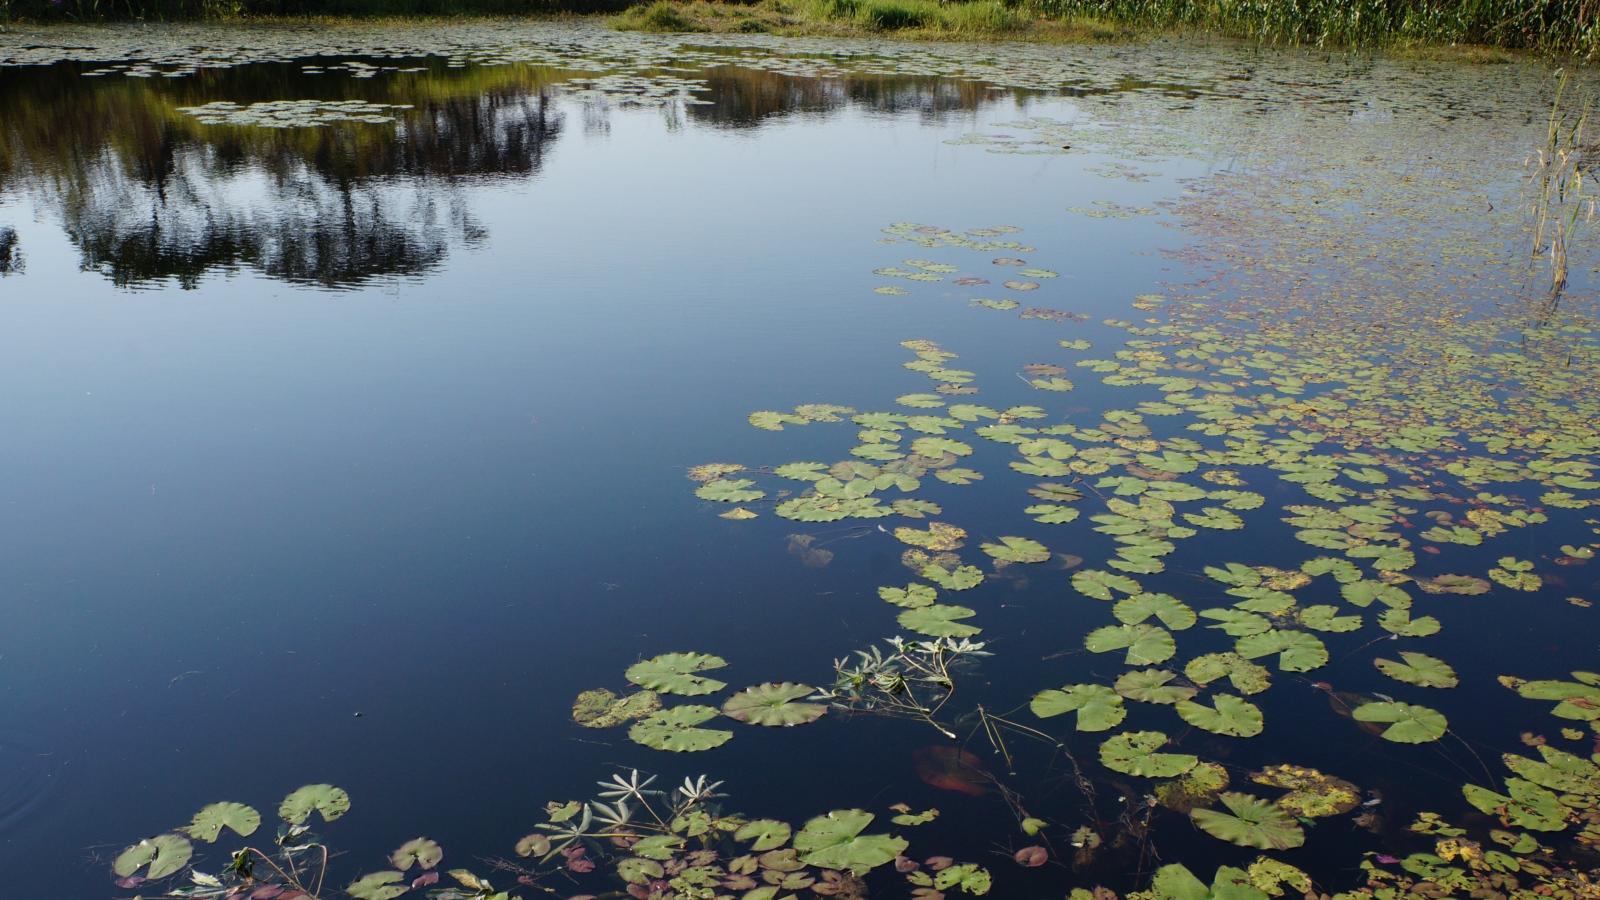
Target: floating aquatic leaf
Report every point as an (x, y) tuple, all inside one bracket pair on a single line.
[(1176, 882), (421, 852), (1399, 621), (1017, 550), (1311, 793), (835, 841), (378, 886), (959, 578), (674, 729), (774, 421), (1325, 617), (209, 821), (1419, 669), (164, 854), (1098, 707), (673, 673), (774, 704), (1099, 585), (938, 536), (1525, 805), (1154, 686), (1297, 651), (766, 834), (1408, 723), (1229, 715), (1052, 513), (1146, 644), (324, 799), (911, 596), (599, 708), (1167, 609), (1250, 822), (1134, 753), (1245, 676), (939, 620)]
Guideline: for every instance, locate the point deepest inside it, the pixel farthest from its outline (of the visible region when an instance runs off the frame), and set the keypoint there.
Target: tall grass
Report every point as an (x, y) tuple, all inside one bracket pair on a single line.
[(1565, 26)]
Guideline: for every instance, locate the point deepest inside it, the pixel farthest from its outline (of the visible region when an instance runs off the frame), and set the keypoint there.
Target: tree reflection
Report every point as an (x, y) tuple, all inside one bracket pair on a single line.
[(147, 193)]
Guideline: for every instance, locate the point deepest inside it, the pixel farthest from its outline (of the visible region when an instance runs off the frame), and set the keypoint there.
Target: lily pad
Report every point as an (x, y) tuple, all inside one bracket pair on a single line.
[(774, 705), (421, 852), (1134, 753), (673, 673), (767, 834), (1146, 644), (324, 799), (1228, 715), (164, 854), (600, 708), (1017, 550), (674, 730), (1250, 822), (1245, 676), (939, 620), (1099, 708), (378, 886), (209, 822), (1408, 723), (835, 841), (1154, 686), (1419, 669)]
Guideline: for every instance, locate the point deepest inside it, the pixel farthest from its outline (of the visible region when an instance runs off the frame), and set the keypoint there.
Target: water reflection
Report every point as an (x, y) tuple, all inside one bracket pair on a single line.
[(147, 194)]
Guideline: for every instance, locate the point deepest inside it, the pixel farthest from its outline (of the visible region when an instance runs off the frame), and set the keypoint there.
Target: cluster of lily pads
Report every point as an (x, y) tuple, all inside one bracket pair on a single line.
[(678, 728), (1386, 474), (630, 840), (295, 113)]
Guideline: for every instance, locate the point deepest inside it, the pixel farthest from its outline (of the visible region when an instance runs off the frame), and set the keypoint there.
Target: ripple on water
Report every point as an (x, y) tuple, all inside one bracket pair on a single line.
[(27, 778)]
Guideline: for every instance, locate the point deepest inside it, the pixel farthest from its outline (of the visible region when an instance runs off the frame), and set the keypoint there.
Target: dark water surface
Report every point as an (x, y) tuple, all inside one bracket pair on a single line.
[(352, 453)]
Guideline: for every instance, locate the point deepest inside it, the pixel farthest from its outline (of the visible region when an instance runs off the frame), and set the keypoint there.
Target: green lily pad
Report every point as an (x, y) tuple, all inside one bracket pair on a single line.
[(1419, 669), (767, 834), (1134, 753), (911, 596), (1229, 715), (835, 841), (421, 852), (325, 799), (1099, 585), (725, 490), (1245, 676), (1099, 708), (673, 673), (209, 822), (774, 705), (378, 886), (1297, 651), (164, 854), (1169, 610), (1408, 723), (939, 620), (1154, 686), (1017, 550), (674, 730), (1146, 644), (1250, 822)]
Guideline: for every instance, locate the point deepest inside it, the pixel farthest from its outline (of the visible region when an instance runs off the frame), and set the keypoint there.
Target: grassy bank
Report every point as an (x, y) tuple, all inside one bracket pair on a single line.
[(1565, 27)]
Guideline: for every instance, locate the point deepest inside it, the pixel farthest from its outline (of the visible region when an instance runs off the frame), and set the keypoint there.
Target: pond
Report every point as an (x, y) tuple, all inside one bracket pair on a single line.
[(1203, 436)]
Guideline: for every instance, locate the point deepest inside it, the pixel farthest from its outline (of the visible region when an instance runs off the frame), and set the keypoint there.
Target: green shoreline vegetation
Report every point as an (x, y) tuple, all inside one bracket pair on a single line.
[(1472, 30)]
